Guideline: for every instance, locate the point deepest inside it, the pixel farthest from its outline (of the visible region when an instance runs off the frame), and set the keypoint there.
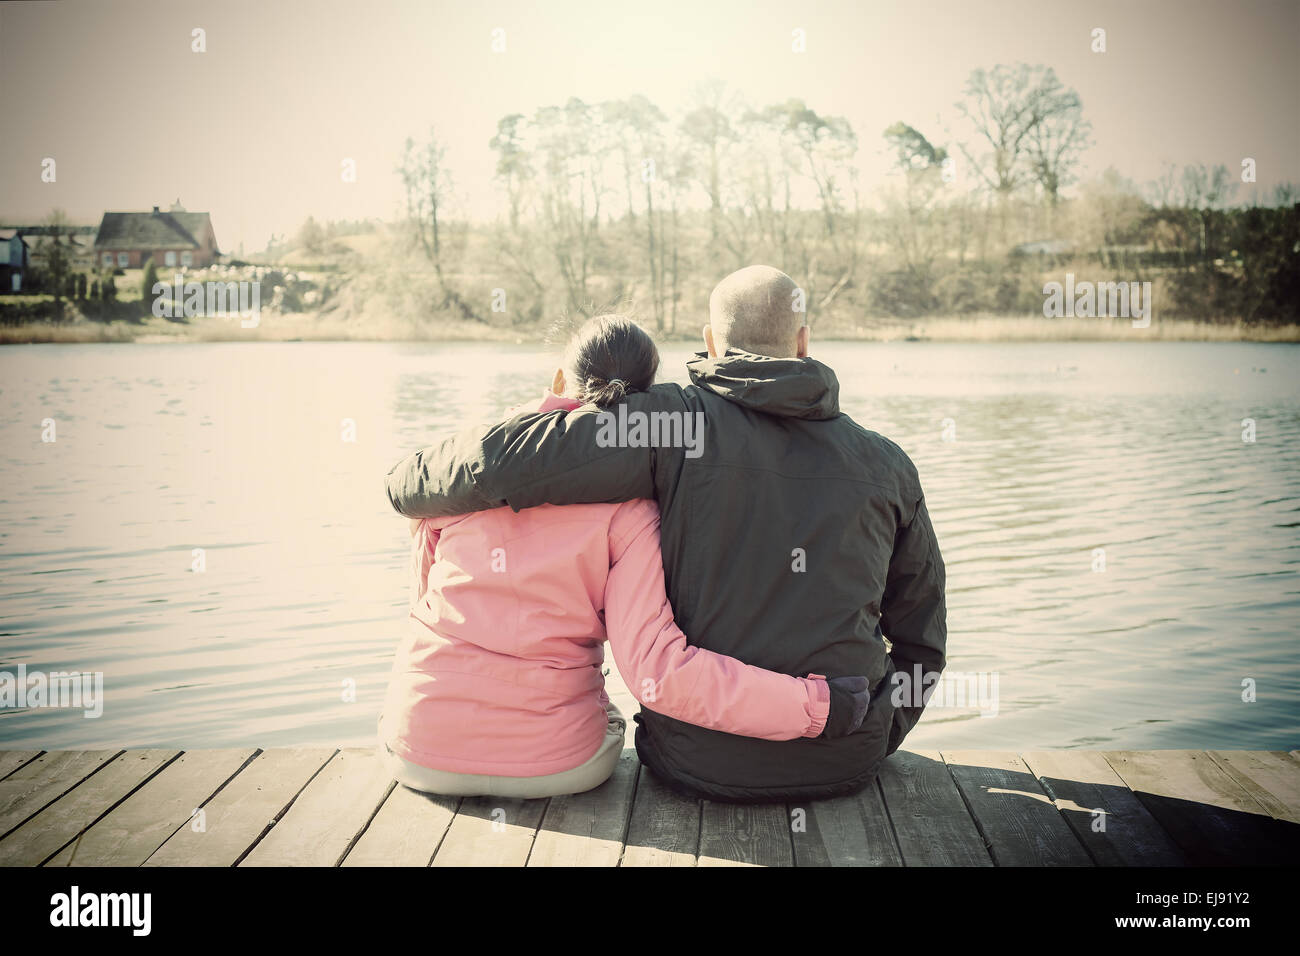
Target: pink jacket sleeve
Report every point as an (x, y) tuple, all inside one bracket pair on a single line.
[(424, 543), (669, 676)]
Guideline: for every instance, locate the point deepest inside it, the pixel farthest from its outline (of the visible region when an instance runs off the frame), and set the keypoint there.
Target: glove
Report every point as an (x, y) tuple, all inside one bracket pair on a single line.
[(849, 699)]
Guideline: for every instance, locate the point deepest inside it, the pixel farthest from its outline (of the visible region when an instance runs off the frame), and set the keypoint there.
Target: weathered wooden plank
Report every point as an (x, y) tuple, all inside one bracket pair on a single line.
[(491, 831), (11, 760), (1271, 777), (931, 823), (59, 823), (329, 814), (1103, 812), (1020, 823), (587, 829), (745, 835), (89, 808), (844, 831), (664, 828), (1206, 812), (40, 782), (243, 810), (406, 831), (141, 823)]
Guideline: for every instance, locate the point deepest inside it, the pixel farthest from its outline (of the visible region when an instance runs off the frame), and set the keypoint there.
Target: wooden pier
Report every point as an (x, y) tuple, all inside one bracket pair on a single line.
[(323, 807)]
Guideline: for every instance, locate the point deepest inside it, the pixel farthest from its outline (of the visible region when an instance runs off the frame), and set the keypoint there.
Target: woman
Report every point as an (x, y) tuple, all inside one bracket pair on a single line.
[(497, 689)]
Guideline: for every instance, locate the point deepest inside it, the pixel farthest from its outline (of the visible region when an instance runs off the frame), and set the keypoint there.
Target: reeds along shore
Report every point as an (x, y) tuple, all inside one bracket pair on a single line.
[(315, 328)]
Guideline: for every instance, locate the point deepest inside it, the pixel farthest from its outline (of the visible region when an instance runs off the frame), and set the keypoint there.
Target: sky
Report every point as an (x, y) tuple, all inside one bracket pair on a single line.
[(255, 129)]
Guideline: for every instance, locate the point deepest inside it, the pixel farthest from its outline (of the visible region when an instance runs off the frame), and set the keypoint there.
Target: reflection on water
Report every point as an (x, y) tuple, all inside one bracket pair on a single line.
[(238, 450)]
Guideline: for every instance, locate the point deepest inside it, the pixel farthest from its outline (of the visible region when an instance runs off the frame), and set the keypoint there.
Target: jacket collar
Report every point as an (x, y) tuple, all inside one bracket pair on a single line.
[(551, 401), (791, 387)]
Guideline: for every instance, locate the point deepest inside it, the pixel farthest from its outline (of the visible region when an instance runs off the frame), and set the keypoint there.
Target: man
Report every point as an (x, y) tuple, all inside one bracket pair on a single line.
[(792, 538)]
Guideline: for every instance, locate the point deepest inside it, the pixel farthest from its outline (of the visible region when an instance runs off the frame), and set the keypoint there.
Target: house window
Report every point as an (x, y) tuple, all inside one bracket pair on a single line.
[(123, 260), (169, 259), (187, 258), (108, 258)]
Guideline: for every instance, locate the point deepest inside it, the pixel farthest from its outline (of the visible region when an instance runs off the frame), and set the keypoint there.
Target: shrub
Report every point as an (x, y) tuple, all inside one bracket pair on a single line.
[(147, 281), (902, 294)]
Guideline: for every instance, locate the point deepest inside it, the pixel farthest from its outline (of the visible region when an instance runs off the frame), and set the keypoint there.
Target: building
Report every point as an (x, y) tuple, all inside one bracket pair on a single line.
[(13, 261), (21, 270), (76, 242), (172, 238)]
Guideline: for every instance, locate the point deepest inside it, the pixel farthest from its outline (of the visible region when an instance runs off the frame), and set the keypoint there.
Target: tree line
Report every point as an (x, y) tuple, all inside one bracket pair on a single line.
[(617, 202)]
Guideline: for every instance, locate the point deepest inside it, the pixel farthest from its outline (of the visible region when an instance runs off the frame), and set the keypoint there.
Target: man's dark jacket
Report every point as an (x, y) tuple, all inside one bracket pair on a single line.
[(796, 541)]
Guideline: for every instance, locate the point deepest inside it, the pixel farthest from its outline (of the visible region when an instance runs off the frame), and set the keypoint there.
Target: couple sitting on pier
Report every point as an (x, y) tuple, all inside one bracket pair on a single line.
[(746, 582)]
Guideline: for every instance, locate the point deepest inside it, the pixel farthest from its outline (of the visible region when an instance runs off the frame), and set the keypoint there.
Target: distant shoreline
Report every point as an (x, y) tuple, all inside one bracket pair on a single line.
[(300, 327)]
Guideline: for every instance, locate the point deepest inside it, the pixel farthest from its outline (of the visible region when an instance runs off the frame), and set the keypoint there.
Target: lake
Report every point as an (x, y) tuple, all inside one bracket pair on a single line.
[(1033, 456)]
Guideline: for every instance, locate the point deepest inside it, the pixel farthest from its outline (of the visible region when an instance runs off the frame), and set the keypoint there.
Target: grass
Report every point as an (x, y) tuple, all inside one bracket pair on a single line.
[(308, 327), (372, 311), (273, 327), (37, 333), (1001, 328)]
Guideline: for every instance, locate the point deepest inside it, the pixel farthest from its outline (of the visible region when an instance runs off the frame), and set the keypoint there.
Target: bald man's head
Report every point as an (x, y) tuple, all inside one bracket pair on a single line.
[(755, 310)]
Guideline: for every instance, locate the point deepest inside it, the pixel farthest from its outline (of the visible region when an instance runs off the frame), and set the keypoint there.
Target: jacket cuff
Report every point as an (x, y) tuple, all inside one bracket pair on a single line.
[(819, 704)]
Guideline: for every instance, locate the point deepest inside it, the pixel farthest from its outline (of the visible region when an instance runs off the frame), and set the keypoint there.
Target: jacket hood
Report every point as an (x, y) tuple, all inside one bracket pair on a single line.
[(795, 388)]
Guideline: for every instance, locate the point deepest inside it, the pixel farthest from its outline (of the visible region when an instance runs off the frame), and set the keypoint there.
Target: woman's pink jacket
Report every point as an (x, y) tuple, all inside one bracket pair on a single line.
[(500, 670)]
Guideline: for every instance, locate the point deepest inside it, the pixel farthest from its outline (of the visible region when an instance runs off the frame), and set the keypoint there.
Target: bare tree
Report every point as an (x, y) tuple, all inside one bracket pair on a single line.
[(513, 169), (1032, 124), (825, 143), (645, 120), (708, 135), (1000, 104), (1058, 136), (815, 149), (1205, 191), (58, 259), (615, 117), (636, 126), (428, 187), (1033, 127), (1163, 190), (571, 153), (910, 222)]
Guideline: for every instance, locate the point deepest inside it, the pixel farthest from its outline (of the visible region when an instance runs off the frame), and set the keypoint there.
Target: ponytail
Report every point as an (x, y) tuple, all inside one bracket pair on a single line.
[(611, 357)]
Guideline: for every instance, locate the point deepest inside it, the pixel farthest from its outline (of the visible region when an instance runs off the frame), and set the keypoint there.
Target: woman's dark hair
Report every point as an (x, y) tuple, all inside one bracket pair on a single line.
[(610, 356)]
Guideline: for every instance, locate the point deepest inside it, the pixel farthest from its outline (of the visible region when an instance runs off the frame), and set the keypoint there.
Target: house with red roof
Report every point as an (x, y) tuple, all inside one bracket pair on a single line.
[(172, 238)]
